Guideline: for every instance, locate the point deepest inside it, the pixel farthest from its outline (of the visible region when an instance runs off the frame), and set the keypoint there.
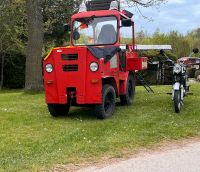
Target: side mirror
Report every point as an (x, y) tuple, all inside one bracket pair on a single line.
[(76, 35), (67, 28), (162, 52), (126, 23), (195, 50), (127, 13)]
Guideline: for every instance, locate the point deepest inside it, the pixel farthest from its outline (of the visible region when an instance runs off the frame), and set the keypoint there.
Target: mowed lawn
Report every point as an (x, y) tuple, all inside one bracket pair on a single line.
[(31, 140)]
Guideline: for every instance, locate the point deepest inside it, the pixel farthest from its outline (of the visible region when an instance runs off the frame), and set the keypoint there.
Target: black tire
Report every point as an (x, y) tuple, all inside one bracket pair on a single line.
[(130, 92), (58, 109), (177, 101), (107, 108)]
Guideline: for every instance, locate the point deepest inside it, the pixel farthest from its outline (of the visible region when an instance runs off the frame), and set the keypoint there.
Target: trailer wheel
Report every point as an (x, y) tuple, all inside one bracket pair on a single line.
[(58, 109), (130, 92), (107, 108)]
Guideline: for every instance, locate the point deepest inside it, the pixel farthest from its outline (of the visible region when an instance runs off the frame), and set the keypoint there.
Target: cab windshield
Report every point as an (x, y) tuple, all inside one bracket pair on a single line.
[(95, 31)]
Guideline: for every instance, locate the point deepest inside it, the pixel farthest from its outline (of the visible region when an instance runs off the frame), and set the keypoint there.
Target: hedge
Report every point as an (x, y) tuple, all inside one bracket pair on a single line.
[(14, 71)]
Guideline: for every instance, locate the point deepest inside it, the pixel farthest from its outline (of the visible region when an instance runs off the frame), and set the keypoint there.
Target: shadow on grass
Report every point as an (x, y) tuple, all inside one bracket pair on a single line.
[(82, 113), (79, 113)]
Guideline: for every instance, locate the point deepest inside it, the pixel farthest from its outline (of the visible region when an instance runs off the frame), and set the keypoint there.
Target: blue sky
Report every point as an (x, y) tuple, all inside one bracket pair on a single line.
[(180, 15)]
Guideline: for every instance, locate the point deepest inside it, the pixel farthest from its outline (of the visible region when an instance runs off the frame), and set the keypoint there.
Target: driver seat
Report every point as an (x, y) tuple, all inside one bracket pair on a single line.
[(107, 35)]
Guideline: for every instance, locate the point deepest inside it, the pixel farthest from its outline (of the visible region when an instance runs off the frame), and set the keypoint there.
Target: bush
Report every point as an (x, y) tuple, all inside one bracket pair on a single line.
[(151, 73), (197, 73), (14, 71), (191, 72)]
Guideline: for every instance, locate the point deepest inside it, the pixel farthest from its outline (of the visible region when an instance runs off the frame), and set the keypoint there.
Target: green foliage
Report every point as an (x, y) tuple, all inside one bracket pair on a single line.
[(12, 27), (180, 45), (155, 55), (197, 73), (194, 39), (12, 40), (151, 73), (14, 71), (191, 72), (56, 13)]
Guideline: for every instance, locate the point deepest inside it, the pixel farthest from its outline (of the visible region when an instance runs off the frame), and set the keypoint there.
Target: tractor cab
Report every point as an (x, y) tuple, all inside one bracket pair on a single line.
[(95, 30)]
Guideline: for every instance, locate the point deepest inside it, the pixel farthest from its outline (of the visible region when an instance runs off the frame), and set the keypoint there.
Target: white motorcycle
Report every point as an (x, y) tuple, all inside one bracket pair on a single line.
[(180, 87), (180, 84)]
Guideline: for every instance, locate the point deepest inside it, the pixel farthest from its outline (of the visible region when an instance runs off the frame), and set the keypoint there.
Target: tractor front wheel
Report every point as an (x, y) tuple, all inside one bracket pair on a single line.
[(107, 108), (58, 109)]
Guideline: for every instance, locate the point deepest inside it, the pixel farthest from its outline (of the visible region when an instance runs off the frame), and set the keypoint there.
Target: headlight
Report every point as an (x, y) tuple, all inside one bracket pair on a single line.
[(94, 67), (177, 68), (49, 68)]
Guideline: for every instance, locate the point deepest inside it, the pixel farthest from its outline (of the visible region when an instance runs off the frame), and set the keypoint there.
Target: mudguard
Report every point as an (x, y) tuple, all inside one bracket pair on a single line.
[(176, 86)]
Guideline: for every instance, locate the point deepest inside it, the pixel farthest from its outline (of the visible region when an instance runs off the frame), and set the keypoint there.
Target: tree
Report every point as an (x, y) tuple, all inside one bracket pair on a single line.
[(34, 81), (11, 20), (193, 38), (55, 14), (45, 20), (145, 3)]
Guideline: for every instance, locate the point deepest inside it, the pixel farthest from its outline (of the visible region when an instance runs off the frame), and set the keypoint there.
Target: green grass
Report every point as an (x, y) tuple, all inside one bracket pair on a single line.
[(31, 140)]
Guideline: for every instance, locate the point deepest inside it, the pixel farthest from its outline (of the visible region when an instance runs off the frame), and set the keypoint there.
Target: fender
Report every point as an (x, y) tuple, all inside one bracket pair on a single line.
[(176, 86), (123, 84), (112, 81)]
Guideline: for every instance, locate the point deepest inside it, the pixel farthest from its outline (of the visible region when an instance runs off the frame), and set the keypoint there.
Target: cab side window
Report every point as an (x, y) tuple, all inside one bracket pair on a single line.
[(125, 35)]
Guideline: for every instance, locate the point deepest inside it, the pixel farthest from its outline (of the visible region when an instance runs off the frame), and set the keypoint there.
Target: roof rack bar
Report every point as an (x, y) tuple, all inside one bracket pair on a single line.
[(95, 5)]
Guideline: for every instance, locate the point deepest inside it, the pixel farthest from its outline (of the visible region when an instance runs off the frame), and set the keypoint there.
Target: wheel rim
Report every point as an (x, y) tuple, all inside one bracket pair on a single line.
[(108, 104)]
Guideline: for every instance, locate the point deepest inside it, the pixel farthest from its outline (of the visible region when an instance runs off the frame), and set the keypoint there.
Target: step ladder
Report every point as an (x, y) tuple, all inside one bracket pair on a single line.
[(145, 83)]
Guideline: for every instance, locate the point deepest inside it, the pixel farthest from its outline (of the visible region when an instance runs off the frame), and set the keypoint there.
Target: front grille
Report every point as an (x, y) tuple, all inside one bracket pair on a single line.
[(70, 68), (69, 56)]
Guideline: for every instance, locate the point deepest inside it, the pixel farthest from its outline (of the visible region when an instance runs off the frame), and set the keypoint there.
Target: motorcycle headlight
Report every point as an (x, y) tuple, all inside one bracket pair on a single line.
[(94, 66), (49, 68), (177, 68)]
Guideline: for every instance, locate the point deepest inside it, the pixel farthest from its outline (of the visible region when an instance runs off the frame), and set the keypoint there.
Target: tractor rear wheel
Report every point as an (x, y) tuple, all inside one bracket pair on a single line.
[(107, 108), (58, 109), (128, 98)]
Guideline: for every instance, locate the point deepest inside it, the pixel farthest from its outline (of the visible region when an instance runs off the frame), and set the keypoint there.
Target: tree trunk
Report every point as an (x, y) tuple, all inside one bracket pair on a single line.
[(34, 80), (2, 71)]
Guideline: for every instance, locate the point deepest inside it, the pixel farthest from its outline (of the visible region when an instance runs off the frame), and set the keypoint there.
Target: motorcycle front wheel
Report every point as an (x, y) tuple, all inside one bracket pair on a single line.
[(177, 101)]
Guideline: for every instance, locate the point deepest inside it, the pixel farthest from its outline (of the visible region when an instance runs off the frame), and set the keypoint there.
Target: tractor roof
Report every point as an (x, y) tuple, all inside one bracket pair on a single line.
[(96, 13)]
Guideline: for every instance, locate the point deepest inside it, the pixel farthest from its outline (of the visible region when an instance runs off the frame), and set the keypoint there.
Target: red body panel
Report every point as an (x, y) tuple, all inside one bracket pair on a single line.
[(136, 64), (81, 80)]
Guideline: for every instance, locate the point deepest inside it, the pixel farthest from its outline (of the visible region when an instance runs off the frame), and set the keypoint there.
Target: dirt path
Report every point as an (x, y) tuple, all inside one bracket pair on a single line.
[(177, 156), (179, 159)]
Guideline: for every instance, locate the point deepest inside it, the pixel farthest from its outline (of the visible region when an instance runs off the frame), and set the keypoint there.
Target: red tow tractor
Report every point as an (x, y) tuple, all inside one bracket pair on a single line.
[(96, 68)]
